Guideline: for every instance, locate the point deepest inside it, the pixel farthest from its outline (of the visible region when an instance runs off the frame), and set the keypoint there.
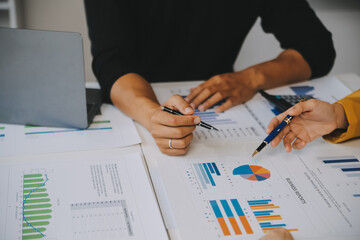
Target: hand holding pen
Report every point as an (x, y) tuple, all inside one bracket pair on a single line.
[(278, 128), (314, 119), (201, 123), (172, 133)]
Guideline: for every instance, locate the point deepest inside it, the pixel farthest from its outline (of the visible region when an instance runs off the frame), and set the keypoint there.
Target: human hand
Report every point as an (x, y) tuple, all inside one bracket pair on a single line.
[(314, 119), (277, 234), (165, 126), (236, 88)]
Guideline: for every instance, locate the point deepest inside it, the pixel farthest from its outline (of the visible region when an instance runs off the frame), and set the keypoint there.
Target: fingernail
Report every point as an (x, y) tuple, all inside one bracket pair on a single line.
[(186, 99), (188, 110), (192, 105), (197, 120), (201, 108)]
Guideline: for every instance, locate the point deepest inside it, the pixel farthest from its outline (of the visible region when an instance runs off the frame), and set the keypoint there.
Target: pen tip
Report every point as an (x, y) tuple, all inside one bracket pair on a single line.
[(216, 129), (256, 152)]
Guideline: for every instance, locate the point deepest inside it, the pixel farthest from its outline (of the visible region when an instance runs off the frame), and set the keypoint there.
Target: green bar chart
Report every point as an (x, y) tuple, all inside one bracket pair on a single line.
[(36, 207)]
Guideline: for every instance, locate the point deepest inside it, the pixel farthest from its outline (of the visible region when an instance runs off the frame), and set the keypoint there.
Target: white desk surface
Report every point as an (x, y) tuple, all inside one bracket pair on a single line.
[(352, 81)]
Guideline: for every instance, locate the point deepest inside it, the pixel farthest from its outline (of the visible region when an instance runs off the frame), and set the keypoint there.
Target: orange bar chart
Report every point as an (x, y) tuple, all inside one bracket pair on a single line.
[(231, 217), (264, 206), (242, 216), (268, 218), (265, 215), (220, 218), (235, 225)]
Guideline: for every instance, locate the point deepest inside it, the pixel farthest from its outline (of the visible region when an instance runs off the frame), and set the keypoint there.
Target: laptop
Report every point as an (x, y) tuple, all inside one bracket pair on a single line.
[(42, 80)]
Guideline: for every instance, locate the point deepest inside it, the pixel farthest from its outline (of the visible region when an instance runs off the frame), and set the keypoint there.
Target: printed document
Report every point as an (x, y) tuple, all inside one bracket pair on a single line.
[(83, 196), (110, 129)]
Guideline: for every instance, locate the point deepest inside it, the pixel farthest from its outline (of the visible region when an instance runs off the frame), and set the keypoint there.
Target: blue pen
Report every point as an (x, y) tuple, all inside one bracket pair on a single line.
[(273, 134)]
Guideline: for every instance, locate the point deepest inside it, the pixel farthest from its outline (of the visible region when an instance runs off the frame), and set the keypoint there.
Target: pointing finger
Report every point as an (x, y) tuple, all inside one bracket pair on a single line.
[(212, 100)]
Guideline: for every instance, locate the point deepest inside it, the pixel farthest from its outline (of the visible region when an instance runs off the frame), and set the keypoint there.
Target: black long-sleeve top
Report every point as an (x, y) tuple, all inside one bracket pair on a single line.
[(177, 40)]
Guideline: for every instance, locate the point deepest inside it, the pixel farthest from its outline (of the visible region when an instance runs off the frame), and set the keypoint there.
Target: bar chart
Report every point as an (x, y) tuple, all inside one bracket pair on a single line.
[(213, 118), (36, 206), (206, 174), (228, 124), (348, 165), (302, 90), (267, 215), (242, 216), (95, 126), (229, 224)]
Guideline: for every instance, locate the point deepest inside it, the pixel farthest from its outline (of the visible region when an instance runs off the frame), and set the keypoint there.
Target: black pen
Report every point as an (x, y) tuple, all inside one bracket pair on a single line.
[(201, 124)]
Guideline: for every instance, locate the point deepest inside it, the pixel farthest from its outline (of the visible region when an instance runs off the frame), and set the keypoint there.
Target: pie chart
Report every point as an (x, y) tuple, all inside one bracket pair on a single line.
[(252, 172)]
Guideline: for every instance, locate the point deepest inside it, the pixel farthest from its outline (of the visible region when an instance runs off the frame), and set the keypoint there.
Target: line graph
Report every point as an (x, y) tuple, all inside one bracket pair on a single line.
[(35, 206)]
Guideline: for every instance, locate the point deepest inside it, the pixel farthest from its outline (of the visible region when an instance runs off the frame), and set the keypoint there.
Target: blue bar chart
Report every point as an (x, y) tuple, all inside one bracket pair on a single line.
[(348, 165), (213, 118), (242, 216), (205, 173), (265, 213), (302, 90), (220, 218), (231, 211)]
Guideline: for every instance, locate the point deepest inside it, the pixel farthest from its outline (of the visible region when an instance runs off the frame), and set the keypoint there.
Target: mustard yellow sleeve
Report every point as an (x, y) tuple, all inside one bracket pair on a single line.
[(351, 105)]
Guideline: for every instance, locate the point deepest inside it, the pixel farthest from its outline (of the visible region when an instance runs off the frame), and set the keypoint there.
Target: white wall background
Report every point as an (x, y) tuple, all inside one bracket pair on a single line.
[(59, 15), (341, 17)]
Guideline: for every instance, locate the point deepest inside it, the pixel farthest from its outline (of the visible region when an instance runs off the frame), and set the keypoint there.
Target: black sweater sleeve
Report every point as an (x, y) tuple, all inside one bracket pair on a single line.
[(296, 26), (113, 31)]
